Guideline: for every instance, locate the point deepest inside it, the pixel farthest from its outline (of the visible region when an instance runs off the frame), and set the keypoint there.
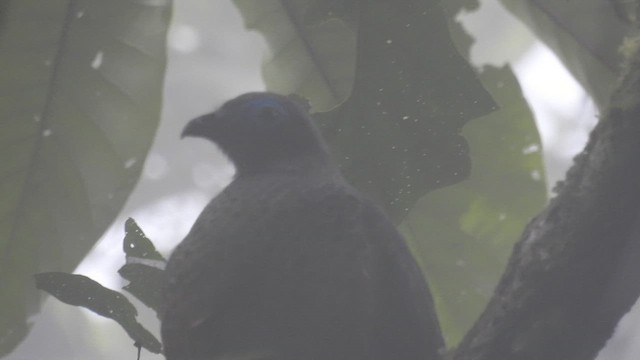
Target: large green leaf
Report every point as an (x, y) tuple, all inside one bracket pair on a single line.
[(313, 60), (462, 235), (398, 135), (584, 34), (80, 96)]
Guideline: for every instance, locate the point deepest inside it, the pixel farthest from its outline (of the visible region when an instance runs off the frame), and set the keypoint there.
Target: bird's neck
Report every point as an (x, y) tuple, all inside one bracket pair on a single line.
[(308, 163)]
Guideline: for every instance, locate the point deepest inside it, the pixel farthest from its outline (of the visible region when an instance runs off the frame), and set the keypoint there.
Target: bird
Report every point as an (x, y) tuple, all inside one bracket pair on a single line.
[(289, 261)]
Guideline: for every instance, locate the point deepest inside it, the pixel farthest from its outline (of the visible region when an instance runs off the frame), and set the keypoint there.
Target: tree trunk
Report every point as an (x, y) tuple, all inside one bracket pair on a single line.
[(558, 298)]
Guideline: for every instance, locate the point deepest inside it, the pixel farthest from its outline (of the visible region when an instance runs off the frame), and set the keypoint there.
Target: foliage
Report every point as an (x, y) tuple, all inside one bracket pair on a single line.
[(463, 234), (79, 106), (144, 270), (397, 137), (390, 87), (585, 35)]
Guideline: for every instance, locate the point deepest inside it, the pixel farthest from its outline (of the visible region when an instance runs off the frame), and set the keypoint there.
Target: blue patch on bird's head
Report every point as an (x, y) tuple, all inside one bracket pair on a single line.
[(259, 102), (265, 108)]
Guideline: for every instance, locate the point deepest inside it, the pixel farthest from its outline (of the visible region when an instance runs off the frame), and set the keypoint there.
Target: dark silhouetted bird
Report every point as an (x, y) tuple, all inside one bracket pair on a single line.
[(290, 262)]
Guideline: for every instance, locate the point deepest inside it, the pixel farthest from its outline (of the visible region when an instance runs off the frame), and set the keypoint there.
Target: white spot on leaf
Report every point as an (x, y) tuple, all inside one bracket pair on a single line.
[(97, 60), (530, 149), (130, 162), (535, 175)]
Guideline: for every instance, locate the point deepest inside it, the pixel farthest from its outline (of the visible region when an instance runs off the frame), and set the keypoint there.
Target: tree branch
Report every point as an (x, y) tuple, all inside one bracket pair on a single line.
[(552, 302)]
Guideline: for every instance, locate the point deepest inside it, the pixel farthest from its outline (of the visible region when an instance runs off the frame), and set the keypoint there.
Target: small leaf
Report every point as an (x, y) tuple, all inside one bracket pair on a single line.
[(80, 290), (137, 244), (145, 283), (144, 268)]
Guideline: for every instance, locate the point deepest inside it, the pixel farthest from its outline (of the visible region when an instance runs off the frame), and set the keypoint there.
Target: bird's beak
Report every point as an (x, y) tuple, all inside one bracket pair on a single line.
[(199, 126)]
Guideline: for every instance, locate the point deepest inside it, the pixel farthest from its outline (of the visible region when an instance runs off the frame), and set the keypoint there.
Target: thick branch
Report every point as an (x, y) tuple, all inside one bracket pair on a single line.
[(552, 300)]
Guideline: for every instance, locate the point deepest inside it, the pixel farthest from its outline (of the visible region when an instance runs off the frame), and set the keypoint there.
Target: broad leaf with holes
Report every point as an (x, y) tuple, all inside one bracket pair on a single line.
[(403, 99), (462, 235), (398, 135)]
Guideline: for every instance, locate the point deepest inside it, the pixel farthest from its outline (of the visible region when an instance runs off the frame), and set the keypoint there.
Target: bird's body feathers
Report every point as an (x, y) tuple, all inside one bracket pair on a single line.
[(292, 263)]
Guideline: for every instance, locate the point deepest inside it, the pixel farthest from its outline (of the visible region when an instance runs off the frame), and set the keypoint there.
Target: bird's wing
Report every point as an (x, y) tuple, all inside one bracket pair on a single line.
[(408, 327)]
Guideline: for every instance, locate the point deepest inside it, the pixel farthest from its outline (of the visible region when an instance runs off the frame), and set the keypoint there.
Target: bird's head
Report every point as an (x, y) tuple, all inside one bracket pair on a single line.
[(260, 130)]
